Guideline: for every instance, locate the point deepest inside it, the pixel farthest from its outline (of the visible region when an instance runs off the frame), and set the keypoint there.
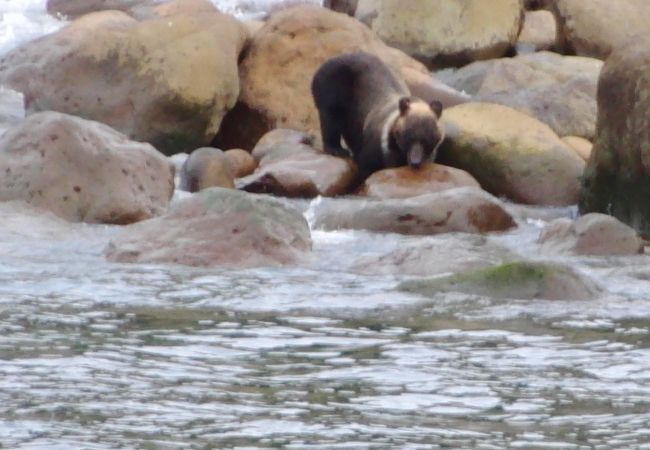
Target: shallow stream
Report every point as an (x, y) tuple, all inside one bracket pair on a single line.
[(97, 355)]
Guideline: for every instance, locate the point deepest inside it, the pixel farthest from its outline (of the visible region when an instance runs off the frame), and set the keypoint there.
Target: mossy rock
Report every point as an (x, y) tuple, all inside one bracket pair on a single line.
[(516, 280)]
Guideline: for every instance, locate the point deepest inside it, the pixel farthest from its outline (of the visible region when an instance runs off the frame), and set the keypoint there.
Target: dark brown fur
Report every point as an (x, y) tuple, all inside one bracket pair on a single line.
[(361, 99)]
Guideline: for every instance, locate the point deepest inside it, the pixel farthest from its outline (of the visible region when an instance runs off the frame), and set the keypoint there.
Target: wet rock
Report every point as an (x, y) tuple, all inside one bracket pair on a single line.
[(591, 234), (435, 255), (73, 9), (469, 210), (617, 177), (217, 227), (558, 90), (517, 280), (447, 31), (241, 161), (165, 81), (404, 182), (511, 154), (596, 27), (140, 9), (279, 65), (284, 137), (300, 174), (83, 171), (580, 145), (538, 33), (207, 167)]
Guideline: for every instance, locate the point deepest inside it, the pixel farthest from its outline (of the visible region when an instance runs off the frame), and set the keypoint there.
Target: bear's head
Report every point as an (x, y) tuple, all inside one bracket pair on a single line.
[(416, 133)]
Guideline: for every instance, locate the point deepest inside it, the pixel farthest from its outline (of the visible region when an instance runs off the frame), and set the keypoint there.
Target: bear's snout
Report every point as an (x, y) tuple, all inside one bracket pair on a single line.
[(415, 156)]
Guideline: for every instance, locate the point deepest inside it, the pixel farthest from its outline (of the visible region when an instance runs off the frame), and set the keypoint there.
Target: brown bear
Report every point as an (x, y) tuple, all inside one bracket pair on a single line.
[(361, 99)]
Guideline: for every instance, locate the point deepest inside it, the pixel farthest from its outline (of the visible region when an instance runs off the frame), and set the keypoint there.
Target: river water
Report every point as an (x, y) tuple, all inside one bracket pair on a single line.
[(97, 355)]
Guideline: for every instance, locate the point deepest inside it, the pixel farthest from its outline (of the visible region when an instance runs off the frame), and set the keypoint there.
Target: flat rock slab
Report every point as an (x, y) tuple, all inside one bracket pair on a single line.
[(469, 210)]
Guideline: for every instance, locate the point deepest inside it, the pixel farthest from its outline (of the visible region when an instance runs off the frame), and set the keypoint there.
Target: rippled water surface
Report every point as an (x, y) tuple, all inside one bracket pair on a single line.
[(99, 355), (96, 355)]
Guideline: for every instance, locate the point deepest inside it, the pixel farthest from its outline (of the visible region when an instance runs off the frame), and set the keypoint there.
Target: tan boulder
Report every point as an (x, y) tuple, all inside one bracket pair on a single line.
[(468, 210), (73, 9), (241, 161), (591, 234), (580, 145), (207, 167), (538, 33), (445, 31), (83, 171), (435, 255), (140, 9), (279, 65), (289, 140), (558, 90), (404, 182), (166, 81), (596, 27), (617, 177), (302, 174), (511, 154), (217, 227)]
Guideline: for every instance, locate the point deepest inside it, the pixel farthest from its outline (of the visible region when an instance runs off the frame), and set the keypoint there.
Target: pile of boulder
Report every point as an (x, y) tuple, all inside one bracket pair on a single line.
[(526, 87)]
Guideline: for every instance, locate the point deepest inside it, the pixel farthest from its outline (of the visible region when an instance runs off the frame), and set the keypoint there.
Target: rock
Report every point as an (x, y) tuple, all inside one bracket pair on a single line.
[(596, 27), (73, 9), (449, 32), (517, 280), (207, 167), (511, 154), (404, 182), (617, 177), (436, 255), (428, 88), (166, 81), (468, 210), (348, 7), (301, 174), (538, 33), (241, 161), (558, 90), (291, 139), (217, 227), (580, 145), (279, 65), (140, 9), (83, 171), (591, 234)]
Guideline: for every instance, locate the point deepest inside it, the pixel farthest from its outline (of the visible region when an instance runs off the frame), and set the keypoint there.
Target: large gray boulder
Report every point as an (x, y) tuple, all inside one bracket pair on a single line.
[(468, 210), (617, 177), (83, 171), (217, 227), (166, 81)]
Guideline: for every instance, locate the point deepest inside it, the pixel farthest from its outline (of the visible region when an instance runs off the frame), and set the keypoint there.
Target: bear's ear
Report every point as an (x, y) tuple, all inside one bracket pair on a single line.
[(436, 107), (404, 105)]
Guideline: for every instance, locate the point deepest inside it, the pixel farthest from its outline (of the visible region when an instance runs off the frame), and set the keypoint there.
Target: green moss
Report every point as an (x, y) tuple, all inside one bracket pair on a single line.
[(520, 280)]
